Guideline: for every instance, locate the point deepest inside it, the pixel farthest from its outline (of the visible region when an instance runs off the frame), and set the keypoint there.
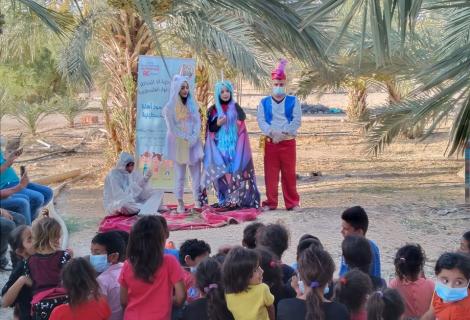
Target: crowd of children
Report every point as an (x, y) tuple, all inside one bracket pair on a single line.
[(134, 276)]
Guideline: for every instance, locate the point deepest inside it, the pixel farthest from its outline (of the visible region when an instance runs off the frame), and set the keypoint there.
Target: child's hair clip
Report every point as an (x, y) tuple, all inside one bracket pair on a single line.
[(273, 264), (211, 286), (314, 284), (343, 281)]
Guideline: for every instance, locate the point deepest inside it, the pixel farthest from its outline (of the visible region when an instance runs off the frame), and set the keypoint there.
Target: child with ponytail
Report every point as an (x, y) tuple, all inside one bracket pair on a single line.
[(212, 305), (352, 290), (410, 282), (385, 305), (316, 268)]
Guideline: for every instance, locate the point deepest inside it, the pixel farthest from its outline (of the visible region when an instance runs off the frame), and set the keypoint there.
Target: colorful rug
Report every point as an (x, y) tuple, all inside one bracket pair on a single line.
[(191, 220)]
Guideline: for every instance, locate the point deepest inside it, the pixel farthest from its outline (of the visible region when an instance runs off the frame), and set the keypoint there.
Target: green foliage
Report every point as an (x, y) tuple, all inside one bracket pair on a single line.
[(33, 82), (70, 107), (5, 103), (31, 114)]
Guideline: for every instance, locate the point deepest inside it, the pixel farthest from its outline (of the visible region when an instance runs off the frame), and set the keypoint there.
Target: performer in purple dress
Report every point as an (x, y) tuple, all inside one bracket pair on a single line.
[(228, 164)]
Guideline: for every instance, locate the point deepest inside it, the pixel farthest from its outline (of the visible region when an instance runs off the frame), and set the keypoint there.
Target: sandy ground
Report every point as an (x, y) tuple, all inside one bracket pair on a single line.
[(411, 192)]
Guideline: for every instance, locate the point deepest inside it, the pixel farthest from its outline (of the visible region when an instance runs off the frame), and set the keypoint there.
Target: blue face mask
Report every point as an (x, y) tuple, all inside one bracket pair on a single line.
[(279, 91), (99, 262), (193, 269), (450, 294)]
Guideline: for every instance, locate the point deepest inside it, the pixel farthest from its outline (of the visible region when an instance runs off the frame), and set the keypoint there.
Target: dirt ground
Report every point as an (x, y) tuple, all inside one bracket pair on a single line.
[(411, 192)]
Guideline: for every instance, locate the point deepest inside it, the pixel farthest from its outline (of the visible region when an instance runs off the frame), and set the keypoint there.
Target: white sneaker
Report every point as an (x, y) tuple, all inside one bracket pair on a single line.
[(162, 208), (180, 208)]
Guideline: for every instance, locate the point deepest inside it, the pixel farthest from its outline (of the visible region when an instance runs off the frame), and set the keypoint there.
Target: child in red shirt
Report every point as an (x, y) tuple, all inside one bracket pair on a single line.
[(149, 277), (85, 302)]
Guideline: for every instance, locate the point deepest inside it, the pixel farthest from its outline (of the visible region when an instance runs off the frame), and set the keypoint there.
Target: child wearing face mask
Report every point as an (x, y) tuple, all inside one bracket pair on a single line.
[(107, 257), (246, 295), (451, 299), (192, 252)]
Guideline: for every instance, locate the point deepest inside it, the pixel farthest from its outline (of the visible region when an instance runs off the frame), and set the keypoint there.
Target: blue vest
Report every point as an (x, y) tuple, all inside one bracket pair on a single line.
[(288, 108)]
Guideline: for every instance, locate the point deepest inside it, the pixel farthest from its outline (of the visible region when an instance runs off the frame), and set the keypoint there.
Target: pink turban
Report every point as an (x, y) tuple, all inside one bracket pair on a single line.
[(278, 73)]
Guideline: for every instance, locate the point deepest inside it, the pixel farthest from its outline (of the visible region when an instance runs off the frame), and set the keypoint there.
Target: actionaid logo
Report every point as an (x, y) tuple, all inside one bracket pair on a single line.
[(151, 71)]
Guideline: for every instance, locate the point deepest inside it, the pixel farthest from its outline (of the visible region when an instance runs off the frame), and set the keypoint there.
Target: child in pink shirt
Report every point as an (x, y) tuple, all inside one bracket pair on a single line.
[(149, 277), (414, 288)]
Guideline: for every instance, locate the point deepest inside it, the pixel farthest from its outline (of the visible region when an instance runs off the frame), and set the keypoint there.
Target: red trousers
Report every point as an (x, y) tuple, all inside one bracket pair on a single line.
[(280, 157)]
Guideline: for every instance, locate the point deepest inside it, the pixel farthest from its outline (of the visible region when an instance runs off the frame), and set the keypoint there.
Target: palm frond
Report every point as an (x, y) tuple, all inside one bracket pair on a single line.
[(73, 59), (227, 35), (374, 15), (59, 23)]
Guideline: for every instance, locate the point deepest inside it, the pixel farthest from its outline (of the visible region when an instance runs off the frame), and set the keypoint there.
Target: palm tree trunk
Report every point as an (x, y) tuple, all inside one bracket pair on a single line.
[(123, 41), (357, 106), (202, 95)]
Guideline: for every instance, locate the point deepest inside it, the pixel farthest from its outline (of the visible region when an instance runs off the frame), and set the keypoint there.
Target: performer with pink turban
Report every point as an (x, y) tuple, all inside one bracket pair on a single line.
[(279, 118)]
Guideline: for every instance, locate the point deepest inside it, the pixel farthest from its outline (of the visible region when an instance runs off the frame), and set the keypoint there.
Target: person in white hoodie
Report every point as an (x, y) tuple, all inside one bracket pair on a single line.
[(183, 143), (127, 191)]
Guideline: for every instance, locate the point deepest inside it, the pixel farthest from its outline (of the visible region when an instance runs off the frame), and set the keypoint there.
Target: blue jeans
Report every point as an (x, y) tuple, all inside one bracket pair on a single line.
[(6, 227), (35, 195), (18, 203)]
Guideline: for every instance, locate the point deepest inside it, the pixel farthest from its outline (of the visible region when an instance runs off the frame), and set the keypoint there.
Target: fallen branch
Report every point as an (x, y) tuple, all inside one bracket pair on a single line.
[(59, 177)]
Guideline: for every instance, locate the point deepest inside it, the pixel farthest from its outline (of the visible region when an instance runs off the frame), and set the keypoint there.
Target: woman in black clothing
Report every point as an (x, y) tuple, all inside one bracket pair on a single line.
[(316, 268), (212, 306)]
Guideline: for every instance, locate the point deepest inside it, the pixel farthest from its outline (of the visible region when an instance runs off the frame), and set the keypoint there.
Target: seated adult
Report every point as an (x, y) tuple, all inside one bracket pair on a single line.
[(127, 191), (20, 195), (8, 222)]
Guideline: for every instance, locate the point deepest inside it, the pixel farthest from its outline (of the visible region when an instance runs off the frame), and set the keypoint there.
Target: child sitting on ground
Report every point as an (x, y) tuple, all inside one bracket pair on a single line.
[(305, 241), (249, 234), (246, 295), (107, 257), (151, 282), (17, 291), (169, 246), (272, 276), (316, 268), (212, 305), (451, 300), (352, 290), (385, 305), (275, 237), (192, 252), (45, 265), (355, 222), (85, 302), (465, 243), (357, 254), (415, 290)]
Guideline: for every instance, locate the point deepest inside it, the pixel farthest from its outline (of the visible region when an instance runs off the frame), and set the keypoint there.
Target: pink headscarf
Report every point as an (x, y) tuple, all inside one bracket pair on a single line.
[(278, 73)]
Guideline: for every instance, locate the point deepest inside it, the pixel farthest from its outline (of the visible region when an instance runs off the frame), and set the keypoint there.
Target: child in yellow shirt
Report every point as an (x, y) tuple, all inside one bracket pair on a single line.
[(248, 298)]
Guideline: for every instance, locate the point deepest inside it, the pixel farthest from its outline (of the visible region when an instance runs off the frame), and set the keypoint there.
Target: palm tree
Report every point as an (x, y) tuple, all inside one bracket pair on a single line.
[(57, 22), (442, 87), (246, 33)]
